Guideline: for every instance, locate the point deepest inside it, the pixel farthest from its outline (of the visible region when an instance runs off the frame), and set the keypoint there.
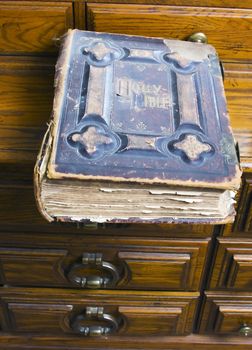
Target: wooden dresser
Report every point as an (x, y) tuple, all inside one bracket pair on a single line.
[(118, 286)]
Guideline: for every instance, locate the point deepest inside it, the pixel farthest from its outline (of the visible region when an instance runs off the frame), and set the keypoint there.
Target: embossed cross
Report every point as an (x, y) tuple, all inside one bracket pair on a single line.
[(100, 50), (192, 147), (91, 139)]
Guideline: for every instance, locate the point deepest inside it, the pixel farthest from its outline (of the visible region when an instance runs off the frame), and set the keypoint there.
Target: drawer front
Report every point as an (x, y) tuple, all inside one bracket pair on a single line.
[(243, 221), (227, 314), (179, 23), (27, 87), (33, 27), (238, 88), (108, 263), (233, 265), (97, 313)]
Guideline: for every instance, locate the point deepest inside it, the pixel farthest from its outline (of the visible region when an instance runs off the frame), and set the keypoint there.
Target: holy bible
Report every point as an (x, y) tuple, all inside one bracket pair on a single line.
[(139, 133)]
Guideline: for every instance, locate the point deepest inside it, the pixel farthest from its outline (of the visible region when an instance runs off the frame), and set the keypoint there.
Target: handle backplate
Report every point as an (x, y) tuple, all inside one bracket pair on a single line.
[(94, 322), (94, 261)]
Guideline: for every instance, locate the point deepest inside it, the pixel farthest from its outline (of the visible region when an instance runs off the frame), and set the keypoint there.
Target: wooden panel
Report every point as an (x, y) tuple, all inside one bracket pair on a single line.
[(59, 312), (243, 221), (31, 266), (33, 27), (139, 264), (179, 23), (207, 3), (238, 87), (79, 15), (226, 313), (189, 342), (27, 87), (233, 265)]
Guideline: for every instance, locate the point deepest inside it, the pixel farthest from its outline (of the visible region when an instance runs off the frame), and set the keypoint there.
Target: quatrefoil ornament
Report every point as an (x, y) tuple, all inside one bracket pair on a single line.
[(102, 53), (192, 147), (91, 139), (94, 141)]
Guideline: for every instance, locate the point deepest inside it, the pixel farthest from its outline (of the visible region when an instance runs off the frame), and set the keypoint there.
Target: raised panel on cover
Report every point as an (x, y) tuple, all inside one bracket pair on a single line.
[(94, 138), (33, 27), (179, 23), (126, 264), (97, 313), (225, 313), (233, 265)]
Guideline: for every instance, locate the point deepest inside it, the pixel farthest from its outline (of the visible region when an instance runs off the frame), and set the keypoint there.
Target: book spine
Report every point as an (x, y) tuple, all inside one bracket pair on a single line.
[(40, 170), (45, 153)]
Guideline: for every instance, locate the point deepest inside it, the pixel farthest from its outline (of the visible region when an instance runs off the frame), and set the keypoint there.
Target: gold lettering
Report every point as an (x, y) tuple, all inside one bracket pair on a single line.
[(123, 88), (164, 102), (151, 93), (150, 101), (157, 88)]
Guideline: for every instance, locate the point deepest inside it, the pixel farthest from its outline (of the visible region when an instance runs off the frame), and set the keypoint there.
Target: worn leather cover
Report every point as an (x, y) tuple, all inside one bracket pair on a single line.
[(141, 109)]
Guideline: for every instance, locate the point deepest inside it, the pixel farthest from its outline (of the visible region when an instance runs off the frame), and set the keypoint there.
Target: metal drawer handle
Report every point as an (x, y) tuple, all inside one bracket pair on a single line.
[(94, 260), (245, 330), (80, 323), (198, 38)]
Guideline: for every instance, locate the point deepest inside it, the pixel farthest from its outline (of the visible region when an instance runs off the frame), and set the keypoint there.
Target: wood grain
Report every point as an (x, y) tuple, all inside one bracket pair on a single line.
[(33, 27), (178, 23), (138, 311), (27, 87), (232, 267), (79, 15), (142, 264), (206, 3), (190, 342), (225, 313), (242, 225), (238, 87)]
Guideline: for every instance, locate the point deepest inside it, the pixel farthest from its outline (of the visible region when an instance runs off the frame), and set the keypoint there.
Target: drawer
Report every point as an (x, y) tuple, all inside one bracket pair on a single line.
[(97, 313), (33, 27), (194, 341), (107, 263), (238, 88), (225, 313), (27, 86), (233, 265), (243, 220), (179, 22)]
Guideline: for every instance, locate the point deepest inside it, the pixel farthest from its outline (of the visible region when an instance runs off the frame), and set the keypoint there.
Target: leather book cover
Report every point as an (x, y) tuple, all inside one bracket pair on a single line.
[(145, 110)]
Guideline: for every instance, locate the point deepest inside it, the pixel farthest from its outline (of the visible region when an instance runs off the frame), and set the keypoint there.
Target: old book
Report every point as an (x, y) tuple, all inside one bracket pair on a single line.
[(139, 133)]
